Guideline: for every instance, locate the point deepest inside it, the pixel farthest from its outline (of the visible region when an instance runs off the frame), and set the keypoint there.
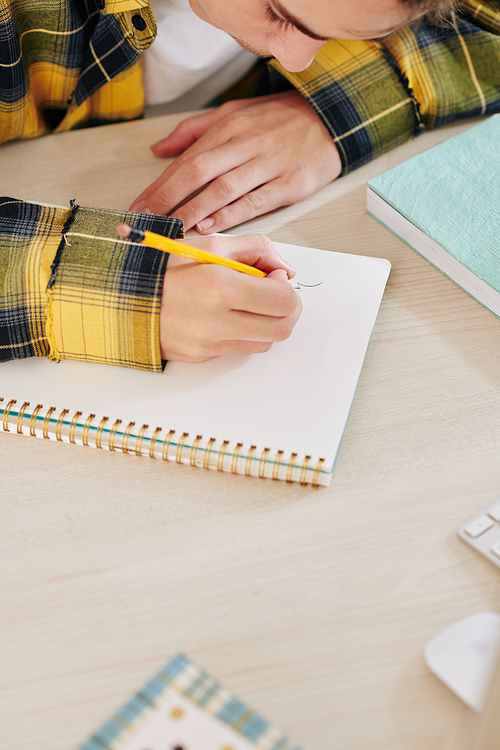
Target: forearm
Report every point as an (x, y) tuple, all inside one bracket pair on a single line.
[(104, 303)]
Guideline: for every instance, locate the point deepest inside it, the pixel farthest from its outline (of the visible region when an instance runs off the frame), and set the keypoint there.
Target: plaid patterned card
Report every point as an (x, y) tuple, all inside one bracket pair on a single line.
[(183, 708)]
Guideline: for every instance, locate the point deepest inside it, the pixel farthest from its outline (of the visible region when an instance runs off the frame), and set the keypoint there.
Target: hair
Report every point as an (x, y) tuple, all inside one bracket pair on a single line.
[(435, 10)]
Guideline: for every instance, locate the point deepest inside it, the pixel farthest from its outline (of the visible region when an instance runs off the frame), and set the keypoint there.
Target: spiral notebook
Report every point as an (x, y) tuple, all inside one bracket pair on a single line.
[(279, 415)]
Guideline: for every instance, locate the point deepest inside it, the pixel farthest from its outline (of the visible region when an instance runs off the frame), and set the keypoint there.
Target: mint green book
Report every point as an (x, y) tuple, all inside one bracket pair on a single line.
[(445, 204)]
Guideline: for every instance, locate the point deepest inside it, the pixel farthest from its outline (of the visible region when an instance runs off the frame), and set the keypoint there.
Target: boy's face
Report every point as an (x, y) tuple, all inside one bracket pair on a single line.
[(294, 30)]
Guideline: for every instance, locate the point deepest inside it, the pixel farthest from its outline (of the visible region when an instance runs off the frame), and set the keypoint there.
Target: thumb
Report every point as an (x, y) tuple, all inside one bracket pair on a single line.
[(278, 275), (258, 250)]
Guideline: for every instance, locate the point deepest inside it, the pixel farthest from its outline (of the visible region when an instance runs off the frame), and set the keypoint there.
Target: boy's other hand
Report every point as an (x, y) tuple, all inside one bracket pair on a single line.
[(208, 310), (254, 155)]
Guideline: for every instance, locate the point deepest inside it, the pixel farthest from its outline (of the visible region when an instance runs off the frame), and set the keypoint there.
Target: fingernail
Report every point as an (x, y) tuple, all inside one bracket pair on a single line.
[(202, 226), (282, 273), (136, 207)]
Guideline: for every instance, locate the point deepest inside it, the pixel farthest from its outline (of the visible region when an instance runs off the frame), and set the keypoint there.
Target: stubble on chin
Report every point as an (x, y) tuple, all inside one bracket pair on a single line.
[(249, 47)]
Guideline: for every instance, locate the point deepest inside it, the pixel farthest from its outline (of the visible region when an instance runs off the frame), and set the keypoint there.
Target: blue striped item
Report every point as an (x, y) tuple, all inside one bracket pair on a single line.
[(185, 677)]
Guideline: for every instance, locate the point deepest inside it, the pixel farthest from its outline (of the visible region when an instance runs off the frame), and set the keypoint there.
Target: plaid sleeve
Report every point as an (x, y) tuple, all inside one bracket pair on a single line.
[(67, 64), (69, 288), (374, 96)]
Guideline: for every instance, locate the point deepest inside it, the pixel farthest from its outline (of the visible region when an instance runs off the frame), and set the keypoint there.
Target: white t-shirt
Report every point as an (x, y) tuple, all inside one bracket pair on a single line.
[(187, 52)]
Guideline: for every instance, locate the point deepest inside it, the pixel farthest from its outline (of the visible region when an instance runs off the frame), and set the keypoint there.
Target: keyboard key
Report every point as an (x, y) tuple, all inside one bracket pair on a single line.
[(496, 549), (479, 526), (495, 513)]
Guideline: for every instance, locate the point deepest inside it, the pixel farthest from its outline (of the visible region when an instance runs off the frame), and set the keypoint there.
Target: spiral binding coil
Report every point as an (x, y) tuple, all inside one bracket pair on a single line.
[(89, 433)]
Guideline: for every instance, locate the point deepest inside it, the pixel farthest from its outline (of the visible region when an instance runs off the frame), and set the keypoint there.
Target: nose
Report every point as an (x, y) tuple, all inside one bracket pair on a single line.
[(295, 54)]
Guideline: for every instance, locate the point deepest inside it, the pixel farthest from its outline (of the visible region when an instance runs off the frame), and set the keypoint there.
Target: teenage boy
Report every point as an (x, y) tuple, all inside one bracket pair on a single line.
[(70, 63)]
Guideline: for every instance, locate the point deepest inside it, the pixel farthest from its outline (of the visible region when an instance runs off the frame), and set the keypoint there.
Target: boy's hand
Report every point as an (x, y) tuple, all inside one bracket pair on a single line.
[(257, 154), (208, 310)]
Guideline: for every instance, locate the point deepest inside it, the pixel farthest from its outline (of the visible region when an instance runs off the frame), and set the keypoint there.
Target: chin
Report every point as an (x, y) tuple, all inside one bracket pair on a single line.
[(297, 67)]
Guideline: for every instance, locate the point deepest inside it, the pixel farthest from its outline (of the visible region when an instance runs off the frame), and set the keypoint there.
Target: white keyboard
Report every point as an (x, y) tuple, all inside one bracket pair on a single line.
[(482, 532)]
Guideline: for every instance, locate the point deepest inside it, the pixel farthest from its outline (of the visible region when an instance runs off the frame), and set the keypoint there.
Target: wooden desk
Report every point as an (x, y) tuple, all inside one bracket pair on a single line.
[(313, 605)]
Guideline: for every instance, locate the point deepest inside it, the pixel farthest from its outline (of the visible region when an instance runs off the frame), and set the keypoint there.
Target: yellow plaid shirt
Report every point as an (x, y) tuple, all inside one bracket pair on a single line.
[(62, 67), (374, 96), (72, 63)]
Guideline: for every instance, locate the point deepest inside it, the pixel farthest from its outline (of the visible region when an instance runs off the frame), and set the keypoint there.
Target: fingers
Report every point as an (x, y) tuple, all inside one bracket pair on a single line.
[(211, 310), (193, 137), (248, 205), (204, 209), (234, 333), (253, 249), (259, 297), (188, 131), (203, 353), (274, 301), (192, 171), (279, 275), (184, 135), (210, 156), (236, 165), (245, 326), (236, 192), (208, 145)]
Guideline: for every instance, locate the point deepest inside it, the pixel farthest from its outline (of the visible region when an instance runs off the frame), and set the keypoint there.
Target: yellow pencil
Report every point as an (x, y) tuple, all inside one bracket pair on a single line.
[(167, 245)]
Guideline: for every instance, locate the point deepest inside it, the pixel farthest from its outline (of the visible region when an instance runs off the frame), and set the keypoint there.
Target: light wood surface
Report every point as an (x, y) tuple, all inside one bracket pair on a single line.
[(312, 605)]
